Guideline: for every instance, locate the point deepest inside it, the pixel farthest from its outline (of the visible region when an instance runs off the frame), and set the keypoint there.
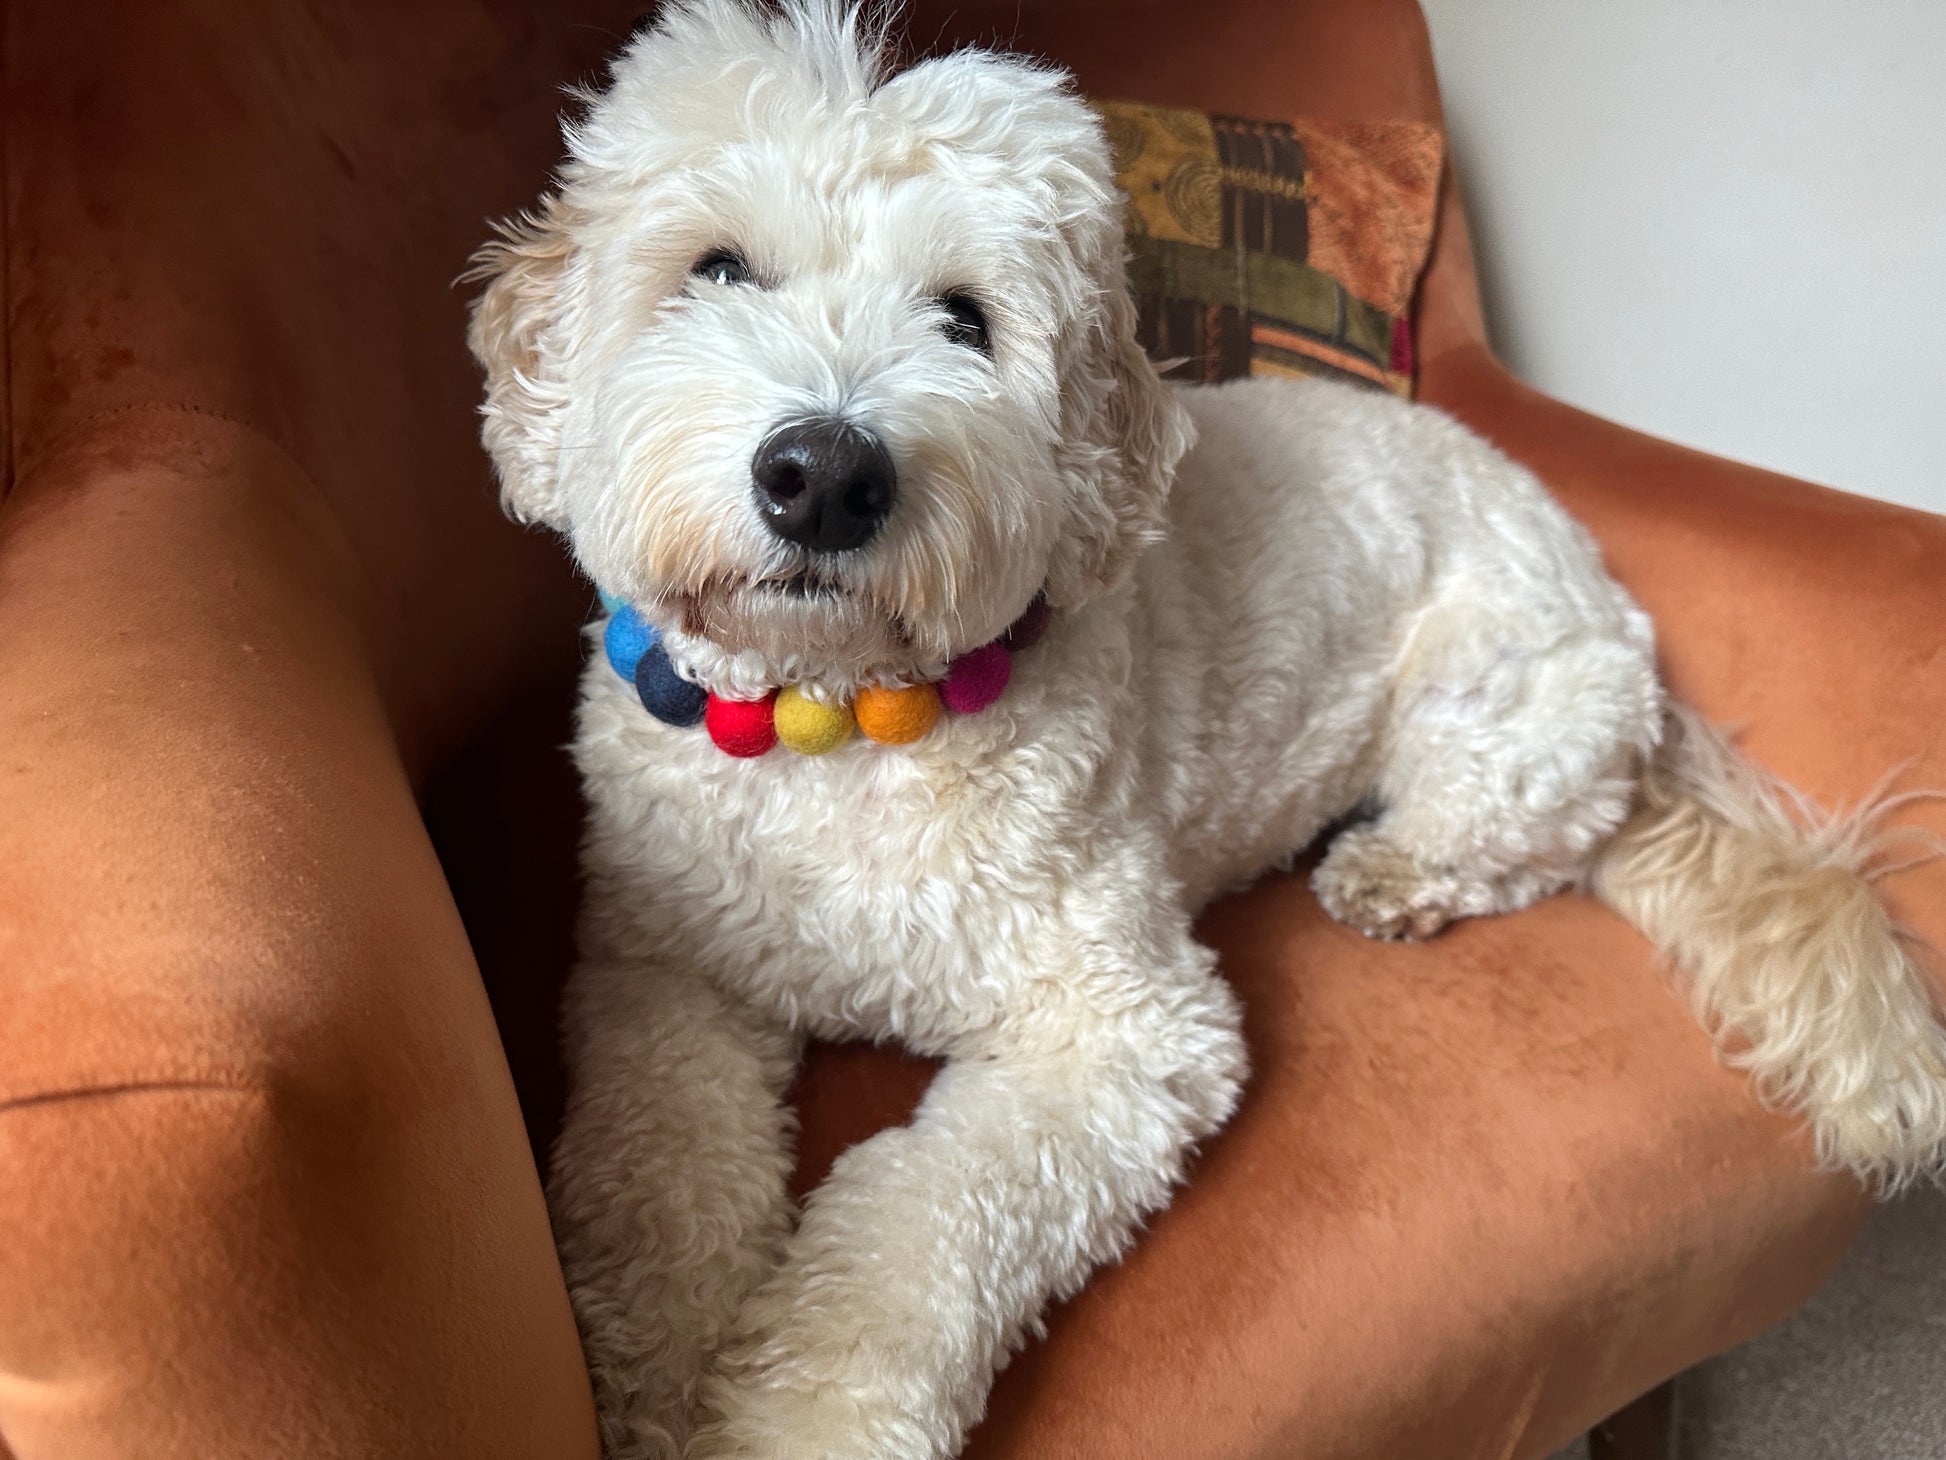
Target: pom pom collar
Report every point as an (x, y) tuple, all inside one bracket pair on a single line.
[(749, 728)]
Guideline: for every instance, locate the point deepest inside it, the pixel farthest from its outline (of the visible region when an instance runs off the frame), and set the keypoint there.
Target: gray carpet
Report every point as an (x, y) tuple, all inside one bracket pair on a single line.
[(1858, 1374)]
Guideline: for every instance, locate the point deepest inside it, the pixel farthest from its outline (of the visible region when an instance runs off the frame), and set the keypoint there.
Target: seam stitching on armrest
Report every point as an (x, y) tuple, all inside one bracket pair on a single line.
[(211, 1084)]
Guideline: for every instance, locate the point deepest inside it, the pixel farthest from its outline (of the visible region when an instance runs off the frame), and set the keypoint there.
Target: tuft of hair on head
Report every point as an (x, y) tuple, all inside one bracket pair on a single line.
[(850, 44)]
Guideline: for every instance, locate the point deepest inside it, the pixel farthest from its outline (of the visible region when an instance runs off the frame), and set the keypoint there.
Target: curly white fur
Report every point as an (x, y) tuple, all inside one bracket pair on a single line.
[(1765, 905), (1347, 601)]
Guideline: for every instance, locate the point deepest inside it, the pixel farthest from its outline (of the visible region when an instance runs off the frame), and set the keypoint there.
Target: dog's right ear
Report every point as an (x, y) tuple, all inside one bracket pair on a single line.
[(515, 334)]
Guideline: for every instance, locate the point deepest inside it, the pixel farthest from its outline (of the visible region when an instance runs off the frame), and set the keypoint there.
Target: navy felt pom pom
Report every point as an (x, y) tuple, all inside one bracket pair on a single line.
[(666, 694), (627, 639)]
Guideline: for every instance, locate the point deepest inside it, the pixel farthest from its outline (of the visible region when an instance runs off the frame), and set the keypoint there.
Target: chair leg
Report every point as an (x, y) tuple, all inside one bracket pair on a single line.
[(1644, 1430)]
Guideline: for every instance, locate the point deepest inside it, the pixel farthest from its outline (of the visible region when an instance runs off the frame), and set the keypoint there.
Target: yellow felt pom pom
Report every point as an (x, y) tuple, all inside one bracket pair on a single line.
[(808, 727), (896, 716)]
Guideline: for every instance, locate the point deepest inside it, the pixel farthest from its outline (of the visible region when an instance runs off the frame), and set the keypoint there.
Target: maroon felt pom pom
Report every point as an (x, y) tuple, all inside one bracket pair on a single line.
[(1028, 628)]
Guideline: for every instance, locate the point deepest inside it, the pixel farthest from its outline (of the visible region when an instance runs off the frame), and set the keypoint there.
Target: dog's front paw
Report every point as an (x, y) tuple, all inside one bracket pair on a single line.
[(645, 1420), (758, 1414), (778, 1423), (1367, 883)]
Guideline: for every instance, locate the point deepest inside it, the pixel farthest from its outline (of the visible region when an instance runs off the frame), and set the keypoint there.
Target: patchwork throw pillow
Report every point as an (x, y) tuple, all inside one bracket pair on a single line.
[(1273, 248)]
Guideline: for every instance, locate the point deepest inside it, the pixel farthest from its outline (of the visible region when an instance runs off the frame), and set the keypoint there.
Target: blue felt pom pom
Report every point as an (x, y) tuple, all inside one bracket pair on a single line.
[(628, 638), (666, 694), (609, 601)]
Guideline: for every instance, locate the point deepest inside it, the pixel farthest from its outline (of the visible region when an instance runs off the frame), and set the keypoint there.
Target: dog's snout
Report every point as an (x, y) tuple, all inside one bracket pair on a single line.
[(824, 484)]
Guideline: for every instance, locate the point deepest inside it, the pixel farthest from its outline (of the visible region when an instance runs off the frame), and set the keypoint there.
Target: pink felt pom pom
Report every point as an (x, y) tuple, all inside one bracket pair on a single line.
[(974, 681)]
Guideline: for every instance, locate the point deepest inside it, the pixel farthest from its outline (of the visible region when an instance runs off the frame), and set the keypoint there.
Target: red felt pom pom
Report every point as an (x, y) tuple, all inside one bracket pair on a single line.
[(741, 727), (974, 681), (1028, 628)]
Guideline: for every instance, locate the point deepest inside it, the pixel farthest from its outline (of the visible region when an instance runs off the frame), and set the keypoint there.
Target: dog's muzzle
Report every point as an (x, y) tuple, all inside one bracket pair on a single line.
[(824, 484)]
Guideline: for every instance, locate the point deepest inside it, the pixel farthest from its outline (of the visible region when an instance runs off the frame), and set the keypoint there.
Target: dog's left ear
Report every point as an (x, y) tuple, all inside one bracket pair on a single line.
[(1124, 431), (514, 335)]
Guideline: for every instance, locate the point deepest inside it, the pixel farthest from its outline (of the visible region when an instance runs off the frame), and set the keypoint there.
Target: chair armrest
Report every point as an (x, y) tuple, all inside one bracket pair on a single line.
[(263, 1186)]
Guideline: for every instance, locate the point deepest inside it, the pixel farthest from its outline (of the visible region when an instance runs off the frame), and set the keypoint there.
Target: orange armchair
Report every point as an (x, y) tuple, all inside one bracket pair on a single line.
[(266, 1182)]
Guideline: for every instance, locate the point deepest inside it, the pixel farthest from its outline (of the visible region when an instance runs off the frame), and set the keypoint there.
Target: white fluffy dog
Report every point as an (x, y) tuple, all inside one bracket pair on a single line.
[(1274, 603)]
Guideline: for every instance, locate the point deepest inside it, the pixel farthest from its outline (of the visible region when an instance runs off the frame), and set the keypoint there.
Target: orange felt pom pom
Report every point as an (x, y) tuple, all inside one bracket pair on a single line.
[(896, 716)]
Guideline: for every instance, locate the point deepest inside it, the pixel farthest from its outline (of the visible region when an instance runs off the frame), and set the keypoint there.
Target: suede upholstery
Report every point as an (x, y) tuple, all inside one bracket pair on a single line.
[(264, 1188)]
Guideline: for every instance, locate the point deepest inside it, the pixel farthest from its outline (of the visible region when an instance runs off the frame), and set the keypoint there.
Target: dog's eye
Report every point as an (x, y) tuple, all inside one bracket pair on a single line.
[(722, 266), (966, 322)]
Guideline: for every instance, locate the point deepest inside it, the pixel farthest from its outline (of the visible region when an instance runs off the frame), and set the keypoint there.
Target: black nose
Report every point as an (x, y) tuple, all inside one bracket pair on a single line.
[(824, 484)]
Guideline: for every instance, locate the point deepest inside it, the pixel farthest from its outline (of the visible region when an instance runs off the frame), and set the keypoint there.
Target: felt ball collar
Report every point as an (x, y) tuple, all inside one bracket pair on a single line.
[(789, 716)]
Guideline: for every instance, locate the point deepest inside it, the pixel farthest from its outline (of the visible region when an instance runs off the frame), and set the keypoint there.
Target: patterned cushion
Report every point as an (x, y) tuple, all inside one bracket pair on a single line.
[(1276, 248)]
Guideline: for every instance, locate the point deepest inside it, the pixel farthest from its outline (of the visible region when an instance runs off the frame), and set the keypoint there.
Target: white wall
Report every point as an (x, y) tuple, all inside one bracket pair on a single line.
[(1720, 221)]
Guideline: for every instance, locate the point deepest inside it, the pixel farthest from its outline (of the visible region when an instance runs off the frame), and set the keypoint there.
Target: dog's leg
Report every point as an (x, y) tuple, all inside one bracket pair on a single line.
[(668, 1187), (931, 1251), (1505, 767)]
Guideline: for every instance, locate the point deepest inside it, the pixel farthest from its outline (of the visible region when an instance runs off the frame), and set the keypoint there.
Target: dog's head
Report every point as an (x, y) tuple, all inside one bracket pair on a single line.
[(827, 366)]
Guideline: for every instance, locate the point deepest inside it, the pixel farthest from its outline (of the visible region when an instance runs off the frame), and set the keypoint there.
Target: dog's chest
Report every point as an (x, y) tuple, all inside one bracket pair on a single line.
[(875, 888)]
